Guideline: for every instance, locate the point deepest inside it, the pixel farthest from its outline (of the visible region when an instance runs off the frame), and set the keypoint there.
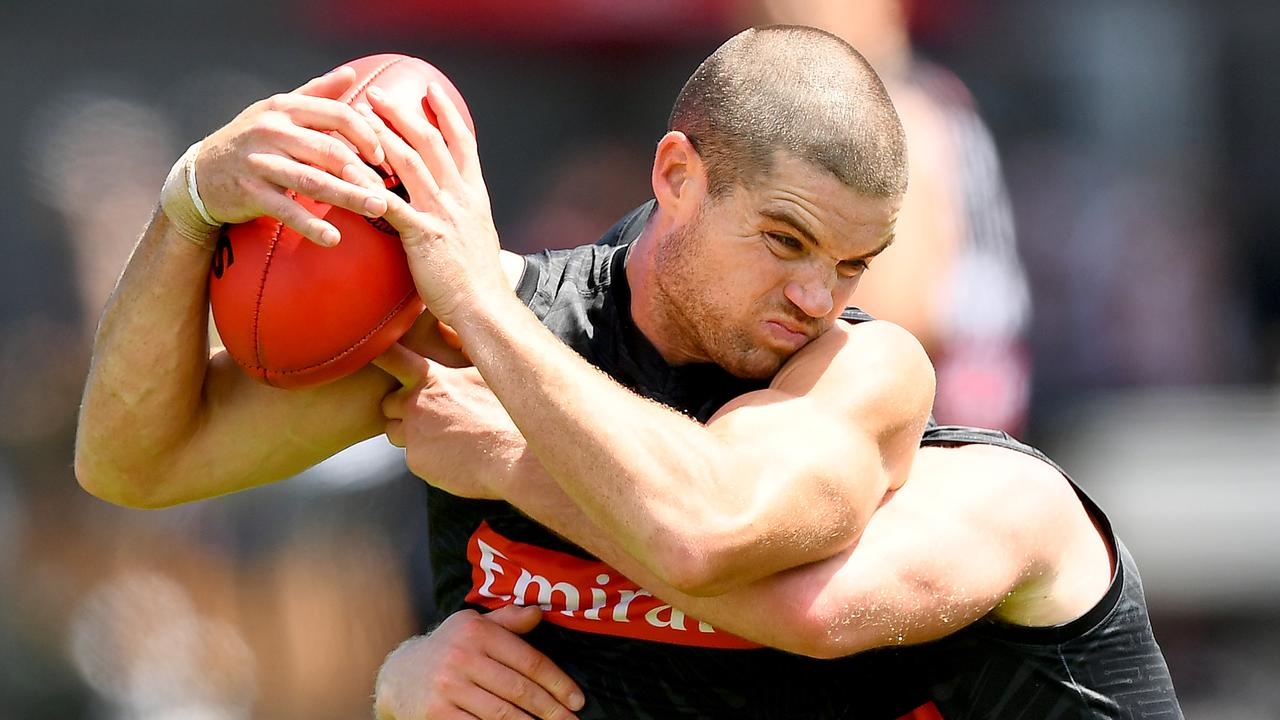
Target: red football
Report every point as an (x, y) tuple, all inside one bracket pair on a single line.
[(294, 314)]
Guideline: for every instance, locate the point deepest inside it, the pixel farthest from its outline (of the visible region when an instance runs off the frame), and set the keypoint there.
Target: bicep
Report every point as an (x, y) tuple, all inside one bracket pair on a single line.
[(938, 556), (842, 420), (913, 576), (248, 433)]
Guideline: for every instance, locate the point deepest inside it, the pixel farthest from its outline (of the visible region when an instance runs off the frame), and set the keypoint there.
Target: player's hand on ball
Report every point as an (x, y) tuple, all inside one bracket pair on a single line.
[(447, 225), (440, 416), (287, 142), (475, 666)]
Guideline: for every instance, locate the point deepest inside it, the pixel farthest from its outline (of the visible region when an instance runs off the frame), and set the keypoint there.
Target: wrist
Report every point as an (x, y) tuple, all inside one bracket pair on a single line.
[(478, 309), (180, 201)]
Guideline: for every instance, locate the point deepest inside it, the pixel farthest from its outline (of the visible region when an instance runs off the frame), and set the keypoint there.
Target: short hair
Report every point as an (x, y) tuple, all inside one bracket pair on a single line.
[(795, 89)]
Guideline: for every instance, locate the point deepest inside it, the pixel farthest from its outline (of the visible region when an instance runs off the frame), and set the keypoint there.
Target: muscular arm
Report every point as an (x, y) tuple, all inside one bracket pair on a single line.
[(977, 531), (193, 425), (162, 421), (778, 478)]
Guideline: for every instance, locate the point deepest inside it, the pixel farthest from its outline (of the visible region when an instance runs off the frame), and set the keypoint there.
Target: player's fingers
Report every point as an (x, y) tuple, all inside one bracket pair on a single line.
[(395, 433), (442, 711), (325, 151), (500, 693), (410, 123), (518, 619), (331, 115), (330, 85), (318, 185), (393, 405), (521, 657), (457, 136), (407, 164), (403, 364), (276, 203), (415, 225), (402, 216), (355, 176)]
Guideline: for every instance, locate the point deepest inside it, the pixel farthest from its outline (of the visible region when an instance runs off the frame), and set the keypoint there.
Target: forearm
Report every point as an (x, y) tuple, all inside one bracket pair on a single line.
[(150, 355), (668, 490), (896, 586), (774, 611)]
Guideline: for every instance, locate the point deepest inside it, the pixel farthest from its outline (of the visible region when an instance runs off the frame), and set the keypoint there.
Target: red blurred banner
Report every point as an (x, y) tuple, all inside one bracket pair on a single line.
[(533, 21)]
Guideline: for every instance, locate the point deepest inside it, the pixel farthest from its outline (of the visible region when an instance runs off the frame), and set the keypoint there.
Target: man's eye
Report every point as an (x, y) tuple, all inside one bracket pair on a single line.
[(852, 268), (785, 241)]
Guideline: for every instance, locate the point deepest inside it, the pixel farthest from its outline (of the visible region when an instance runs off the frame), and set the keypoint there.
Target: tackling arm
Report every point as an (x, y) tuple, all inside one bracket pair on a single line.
[(971, 533), (778, 478), (782, 477)]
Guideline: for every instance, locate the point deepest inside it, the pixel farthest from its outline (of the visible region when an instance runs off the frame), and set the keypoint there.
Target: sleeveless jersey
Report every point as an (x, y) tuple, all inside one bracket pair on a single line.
[(1104, 664), (635, 657)]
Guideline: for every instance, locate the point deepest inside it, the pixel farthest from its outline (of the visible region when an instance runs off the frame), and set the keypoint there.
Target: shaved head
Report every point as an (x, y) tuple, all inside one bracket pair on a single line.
[(797, 90)]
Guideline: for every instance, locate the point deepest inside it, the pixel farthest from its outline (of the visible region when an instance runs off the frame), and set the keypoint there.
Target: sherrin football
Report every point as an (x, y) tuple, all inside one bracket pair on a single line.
[(294, 314)]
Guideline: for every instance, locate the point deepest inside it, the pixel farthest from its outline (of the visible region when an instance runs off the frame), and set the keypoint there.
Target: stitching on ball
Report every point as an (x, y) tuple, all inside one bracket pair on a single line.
[(261, 287), (360, 88), (351, 348), (267, 373)]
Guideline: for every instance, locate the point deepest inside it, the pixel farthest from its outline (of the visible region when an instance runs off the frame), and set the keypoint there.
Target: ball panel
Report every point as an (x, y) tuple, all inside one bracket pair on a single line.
[(293, 314), (235, 294), (355, 357), (403, 77), (317, 302)]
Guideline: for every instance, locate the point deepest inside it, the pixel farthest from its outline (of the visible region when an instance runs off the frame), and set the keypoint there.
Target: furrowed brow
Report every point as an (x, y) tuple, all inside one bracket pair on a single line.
[(787, 218), (883, 246)]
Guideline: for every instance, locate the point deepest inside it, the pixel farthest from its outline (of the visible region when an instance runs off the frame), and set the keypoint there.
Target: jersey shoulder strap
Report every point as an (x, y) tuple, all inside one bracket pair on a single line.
[(855, 315)]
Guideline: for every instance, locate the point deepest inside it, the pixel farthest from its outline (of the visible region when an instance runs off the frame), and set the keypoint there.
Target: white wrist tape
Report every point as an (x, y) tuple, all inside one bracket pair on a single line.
[(181, 203)]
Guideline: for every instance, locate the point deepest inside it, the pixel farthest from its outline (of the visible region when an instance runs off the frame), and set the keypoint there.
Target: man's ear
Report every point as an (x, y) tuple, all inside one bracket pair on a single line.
[(679, 176)]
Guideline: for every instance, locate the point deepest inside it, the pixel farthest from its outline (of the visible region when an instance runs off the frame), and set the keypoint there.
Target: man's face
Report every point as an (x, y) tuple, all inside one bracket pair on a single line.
[(762, 270)]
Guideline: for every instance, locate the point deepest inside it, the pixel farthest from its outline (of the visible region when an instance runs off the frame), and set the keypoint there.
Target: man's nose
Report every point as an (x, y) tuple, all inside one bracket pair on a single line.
[(813, 297)]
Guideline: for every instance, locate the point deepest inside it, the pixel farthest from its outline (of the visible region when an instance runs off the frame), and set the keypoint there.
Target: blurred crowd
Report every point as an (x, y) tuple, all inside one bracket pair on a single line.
[(1090, 220)]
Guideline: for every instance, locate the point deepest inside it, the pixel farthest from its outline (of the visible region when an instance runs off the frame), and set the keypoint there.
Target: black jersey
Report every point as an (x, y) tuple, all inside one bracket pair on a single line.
[(635, 657), (1105, 664)]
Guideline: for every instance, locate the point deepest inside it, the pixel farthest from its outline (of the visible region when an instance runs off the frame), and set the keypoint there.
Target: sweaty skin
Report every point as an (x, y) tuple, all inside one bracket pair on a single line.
[(198, 426), (977, 531), (201, 428), (788, 253)]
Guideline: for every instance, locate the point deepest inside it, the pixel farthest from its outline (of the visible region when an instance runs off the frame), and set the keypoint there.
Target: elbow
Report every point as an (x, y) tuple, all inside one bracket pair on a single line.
[(114, 486), (832, 620), (824, 635), (826, 649), (700, 583), (809, 631), (690, 567), (822, 642)]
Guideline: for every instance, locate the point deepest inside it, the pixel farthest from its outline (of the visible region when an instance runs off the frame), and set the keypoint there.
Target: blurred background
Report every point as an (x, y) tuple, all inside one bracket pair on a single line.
[(1088, 253)]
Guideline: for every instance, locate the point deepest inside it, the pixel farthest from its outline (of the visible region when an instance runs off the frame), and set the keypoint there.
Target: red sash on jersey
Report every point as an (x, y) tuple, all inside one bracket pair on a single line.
[(579, 594), (928, 711), (590, 596)]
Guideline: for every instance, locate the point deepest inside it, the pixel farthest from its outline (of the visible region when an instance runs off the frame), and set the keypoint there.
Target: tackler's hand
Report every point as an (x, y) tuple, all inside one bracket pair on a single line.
[(447, 225), (455, 433), (475, 666)]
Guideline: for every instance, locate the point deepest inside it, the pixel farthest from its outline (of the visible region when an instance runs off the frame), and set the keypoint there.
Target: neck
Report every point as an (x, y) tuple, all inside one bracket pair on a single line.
[(650, 309)]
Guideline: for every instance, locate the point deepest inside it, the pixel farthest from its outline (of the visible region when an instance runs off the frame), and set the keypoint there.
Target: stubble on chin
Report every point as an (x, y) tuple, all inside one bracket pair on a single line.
[(750, 361)]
